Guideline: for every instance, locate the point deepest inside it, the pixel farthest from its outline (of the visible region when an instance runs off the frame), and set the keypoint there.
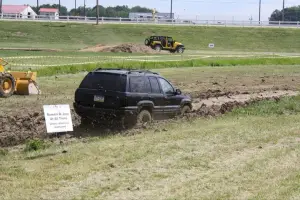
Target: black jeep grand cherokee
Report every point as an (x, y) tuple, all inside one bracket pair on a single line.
[(132, 96)]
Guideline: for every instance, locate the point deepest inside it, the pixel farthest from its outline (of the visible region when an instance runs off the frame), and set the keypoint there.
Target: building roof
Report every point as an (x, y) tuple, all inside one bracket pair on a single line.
[(12, 9), (49, 10)]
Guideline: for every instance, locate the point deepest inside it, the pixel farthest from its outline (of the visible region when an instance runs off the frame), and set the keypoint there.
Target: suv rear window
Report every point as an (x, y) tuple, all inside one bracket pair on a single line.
[(105, 81)]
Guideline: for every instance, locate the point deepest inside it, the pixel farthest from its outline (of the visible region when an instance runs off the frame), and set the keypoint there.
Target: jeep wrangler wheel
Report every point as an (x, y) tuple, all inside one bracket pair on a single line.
[(180, 50), (144, 117), (157, 48), (147, 42), (185, 109)]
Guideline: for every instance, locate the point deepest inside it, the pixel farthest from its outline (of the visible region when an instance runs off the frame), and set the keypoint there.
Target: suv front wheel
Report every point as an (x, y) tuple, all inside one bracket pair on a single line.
[(185, 109)]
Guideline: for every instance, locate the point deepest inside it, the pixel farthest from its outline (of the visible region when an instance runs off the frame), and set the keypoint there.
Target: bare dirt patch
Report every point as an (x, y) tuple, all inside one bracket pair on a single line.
[(16, 129), (121, 48)]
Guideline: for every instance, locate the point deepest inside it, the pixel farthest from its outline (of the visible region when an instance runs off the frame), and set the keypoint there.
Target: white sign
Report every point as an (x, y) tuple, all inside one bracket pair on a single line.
[(58, 118), (211, 45)]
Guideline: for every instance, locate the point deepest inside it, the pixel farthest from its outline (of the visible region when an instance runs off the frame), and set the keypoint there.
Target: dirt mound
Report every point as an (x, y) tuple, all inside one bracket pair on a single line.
[(17, 129), (214, 93), (126, 48)]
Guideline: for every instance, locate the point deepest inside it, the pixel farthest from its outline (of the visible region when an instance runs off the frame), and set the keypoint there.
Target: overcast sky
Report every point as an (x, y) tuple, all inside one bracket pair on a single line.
[(204, 9)]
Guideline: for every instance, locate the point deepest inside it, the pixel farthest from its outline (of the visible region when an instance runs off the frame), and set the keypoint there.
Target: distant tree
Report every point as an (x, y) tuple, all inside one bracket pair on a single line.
[(117, 11), (80, 11), (140, 9), (290, 14), (102, 12)]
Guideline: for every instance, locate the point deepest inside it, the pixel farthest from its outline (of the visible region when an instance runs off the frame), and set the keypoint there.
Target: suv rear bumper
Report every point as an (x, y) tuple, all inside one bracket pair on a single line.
[(104, 113)]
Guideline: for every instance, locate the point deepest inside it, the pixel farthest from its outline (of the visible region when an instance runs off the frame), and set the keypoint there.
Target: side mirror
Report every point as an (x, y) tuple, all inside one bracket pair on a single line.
[(178, 92)]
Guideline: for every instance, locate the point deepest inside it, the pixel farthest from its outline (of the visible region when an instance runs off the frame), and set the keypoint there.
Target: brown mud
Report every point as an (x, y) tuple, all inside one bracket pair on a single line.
[(16, 129), (121, 48)]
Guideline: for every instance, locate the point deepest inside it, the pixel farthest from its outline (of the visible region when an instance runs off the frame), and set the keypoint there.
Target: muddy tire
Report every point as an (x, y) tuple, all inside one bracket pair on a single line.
[(144, 117), (128, 122), (185, 109), (147, 42), (7, 85), (180, 50)]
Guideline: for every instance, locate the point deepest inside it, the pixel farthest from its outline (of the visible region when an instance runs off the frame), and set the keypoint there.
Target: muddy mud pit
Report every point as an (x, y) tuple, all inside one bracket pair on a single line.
[(16, 129)]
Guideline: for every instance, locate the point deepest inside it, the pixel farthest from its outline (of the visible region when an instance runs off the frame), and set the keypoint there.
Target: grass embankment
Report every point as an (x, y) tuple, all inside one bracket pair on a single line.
[(247, 154), (76, 36), (72, 69)]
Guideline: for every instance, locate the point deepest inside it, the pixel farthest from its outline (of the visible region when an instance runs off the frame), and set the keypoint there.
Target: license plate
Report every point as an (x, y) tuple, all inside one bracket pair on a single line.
[(98, 98)]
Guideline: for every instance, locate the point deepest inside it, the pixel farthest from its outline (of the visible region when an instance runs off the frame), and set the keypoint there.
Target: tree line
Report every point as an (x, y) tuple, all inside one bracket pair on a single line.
[(288, 14), (117, 11)]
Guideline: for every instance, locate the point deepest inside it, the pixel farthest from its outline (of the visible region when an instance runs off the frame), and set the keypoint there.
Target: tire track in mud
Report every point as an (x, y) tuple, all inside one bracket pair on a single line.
[(16, 129)]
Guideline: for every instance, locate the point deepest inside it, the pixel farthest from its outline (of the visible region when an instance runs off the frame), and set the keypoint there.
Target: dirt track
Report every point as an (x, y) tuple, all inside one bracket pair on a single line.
[(18, 128)]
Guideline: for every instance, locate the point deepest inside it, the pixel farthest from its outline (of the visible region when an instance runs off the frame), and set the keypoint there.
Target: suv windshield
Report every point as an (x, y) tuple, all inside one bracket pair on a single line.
[(105, 81)]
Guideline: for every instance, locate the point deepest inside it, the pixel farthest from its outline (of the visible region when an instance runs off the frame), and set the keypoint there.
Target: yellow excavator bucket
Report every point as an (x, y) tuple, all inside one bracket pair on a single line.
[(25, 83), (21, 83)]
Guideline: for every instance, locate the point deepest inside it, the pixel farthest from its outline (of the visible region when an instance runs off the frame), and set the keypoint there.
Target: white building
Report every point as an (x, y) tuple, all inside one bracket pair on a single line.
[(18, 11), (50, 13)]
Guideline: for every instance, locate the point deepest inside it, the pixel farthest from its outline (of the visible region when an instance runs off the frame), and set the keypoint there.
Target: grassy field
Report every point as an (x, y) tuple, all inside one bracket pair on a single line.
[(244, 155), (76, 36), (250, 153)]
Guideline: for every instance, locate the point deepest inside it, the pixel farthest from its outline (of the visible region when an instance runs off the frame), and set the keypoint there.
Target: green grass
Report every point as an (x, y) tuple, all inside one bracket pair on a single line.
[(72, 69), (76, 36), (286, 106), (236, 156)]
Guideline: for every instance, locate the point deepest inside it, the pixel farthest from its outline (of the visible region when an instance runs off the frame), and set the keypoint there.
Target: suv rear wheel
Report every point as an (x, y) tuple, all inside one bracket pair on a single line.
[(144, 117)]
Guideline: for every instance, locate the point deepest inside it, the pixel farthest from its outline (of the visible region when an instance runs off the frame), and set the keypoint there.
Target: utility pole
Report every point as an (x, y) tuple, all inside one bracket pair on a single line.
[(97, 12), (171, 16), (84, 8), (0, 6), (283, 10), (59, 7), (259, 11), (75, 8), (37, 6)]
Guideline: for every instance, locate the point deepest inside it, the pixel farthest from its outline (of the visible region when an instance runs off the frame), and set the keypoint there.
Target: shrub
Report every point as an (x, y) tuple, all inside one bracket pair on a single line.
[(35, 145)]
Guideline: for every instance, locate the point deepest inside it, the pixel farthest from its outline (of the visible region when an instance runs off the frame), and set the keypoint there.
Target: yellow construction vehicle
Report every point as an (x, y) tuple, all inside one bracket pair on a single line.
[(14, 82)]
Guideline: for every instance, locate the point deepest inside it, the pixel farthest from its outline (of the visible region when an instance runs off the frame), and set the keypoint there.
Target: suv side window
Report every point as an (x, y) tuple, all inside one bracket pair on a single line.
[(154, 85), (139, 84), (166, 86)]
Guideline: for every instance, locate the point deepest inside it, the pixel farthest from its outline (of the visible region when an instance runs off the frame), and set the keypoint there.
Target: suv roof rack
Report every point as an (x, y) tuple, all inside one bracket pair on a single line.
[(142, 71), (129, 71), (107, 69)]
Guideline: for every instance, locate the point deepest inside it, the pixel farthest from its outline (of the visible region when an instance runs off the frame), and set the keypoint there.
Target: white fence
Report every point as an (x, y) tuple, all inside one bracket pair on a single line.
[(113, 20)]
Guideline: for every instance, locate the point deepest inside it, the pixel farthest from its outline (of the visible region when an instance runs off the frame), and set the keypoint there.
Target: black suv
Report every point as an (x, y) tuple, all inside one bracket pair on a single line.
[(132, 96)]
